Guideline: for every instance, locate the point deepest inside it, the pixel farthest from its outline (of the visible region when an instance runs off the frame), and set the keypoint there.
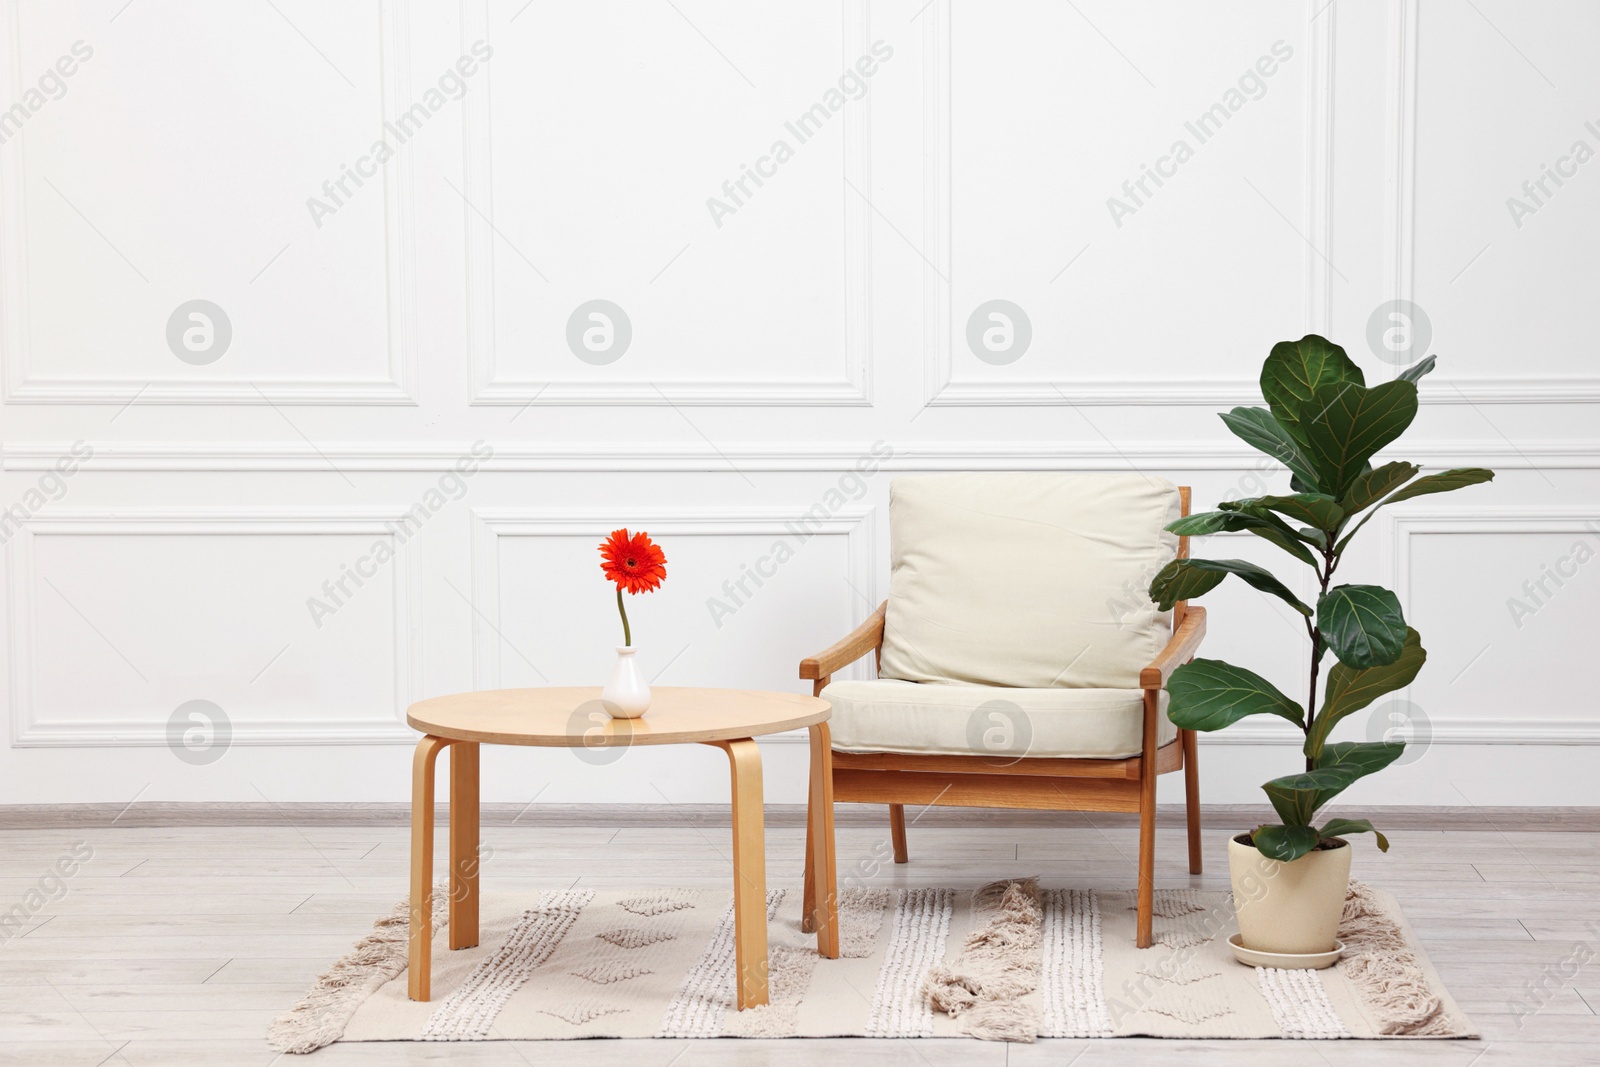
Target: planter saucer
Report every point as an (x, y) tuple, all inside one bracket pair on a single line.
[(1294, 961)]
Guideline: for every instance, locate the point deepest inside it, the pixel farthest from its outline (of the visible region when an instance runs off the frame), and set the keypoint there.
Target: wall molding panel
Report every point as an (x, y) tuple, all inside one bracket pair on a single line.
[(490, 385), (1215, 453), (1399, 528), (1403, 526), (1321, 23), (29, 731), (1317, 220), (491, 525), (943, 390), (1220, 392), (1400, 232), (22, 385), (1400, 205)]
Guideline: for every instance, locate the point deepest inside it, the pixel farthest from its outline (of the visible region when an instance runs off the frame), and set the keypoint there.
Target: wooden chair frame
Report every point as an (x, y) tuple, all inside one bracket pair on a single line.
[(1126, 785)]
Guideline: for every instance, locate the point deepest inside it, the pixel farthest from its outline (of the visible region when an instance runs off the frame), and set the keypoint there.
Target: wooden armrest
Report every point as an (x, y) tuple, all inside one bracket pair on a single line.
[(1180, 650), (865, 638)]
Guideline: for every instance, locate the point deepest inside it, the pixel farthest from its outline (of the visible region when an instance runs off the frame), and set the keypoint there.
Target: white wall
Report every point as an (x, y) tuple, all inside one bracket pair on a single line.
[(771, 347)]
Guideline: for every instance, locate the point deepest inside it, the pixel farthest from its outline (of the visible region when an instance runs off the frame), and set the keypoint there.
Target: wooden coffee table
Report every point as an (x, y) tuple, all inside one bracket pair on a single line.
[(574, 718)]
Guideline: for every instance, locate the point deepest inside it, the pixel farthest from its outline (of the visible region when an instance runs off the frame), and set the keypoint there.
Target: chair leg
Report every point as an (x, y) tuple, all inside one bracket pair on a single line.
[(808, 894), (808, 891), (1147, 823), (1191, 797), (823, 903), (897, 831)]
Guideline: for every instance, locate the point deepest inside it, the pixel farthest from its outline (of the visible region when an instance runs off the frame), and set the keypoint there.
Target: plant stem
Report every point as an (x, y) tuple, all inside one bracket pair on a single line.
[(1324, 575), (1311, 704), (627, 635)]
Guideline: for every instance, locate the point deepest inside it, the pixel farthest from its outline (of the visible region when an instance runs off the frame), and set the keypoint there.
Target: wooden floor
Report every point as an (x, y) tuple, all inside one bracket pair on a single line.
[(177, 946)]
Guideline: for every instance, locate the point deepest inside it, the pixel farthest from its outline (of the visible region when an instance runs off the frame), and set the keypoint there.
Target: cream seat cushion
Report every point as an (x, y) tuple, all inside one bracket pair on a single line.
[(1030, 580), (929, 718)]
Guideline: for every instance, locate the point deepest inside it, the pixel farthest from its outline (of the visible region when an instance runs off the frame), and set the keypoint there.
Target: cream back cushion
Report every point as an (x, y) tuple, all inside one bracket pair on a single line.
[(1031, 580)]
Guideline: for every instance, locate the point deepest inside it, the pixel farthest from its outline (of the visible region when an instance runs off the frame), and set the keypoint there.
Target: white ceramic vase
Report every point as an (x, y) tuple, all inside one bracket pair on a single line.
[(1291, 907), (626, 695)]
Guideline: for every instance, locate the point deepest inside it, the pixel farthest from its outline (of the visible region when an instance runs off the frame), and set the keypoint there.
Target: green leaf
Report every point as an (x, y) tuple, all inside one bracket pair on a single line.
[(1178, 581), (1318, 509), (1345, 424), (1296, 797), (1257, 428), (1264, 525), (1360, 758), (1285, 843), (1369, 488), (1183, 579), (1443, 482), (1350, 690), (1208, 694), (1363, 624), (1415, 372), (1295, 371), (1204, 522), (1340, 827), (1354, 760), (1286, 539), (1271, 527), (1315, 536)]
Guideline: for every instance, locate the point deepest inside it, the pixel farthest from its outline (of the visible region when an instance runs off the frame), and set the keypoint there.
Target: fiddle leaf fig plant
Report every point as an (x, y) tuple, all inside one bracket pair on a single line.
[(1324, 424)]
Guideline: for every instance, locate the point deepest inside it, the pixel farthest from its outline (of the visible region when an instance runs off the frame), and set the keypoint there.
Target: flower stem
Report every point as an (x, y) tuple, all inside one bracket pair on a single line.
[(627, 635)]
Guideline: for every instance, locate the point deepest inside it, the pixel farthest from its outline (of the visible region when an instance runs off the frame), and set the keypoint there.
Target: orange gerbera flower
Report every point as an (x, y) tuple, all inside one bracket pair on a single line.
[(634, 562)]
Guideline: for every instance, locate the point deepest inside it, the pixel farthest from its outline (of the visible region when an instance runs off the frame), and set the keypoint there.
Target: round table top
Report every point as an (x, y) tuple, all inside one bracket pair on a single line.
[(575, 718)]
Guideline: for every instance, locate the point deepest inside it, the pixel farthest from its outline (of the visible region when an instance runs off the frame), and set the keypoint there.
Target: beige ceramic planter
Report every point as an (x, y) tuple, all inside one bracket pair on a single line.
[(1289, 907)]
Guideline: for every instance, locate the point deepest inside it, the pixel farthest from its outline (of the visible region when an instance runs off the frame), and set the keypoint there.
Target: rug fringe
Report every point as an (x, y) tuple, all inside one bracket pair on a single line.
[(998, 968), (1384, 971), (321, 1017)]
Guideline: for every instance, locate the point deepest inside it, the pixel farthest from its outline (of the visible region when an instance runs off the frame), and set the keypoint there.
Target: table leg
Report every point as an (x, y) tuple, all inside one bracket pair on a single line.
[(749, 872), (420, 963), (464, 844), (822, 901)]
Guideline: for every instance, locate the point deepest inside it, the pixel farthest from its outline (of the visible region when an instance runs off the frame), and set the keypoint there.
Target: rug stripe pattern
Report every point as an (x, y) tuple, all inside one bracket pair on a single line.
[(707, 992), (916, 943), (1300, 1003), (1074, 964), (470, 1011)]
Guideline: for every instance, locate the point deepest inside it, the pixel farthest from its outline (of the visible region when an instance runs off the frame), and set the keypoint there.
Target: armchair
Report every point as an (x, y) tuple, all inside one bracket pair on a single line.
[(1020, 661)]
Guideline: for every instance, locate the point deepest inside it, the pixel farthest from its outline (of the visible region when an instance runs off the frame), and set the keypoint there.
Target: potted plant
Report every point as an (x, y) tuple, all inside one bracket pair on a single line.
[(1324, 424)]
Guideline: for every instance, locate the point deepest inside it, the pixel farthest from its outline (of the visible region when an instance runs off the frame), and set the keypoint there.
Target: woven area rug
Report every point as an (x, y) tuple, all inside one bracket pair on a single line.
[(1010, 961)]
